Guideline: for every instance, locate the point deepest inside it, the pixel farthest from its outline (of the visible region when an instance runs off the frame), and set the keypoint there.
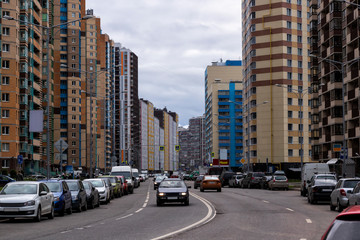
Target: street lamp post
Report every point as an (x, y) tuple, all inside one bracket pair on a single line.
[(48, 39), (342, 69)]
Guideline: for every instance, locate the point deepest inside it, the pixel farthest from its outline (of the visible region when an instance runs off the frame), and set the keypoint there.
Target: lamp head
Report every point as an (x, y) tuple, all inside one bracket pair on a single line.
[(87, 17)]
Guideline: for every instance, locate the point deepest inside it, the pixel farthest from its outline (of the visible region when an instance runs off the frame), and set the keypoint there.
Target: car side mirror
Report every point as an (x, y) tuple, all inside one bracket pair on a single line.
[(43, 193)]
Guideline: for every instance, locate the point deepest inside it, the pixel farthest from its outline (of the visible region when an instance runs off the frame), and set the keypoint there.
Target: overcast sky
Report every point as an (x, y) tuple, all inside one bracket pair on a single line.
[(174, 40)]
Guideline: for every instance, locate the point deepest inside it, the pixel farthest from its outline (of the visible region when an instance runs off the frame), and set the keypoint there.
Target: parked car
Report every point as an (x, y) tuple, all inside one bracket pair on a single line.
[(308, 171), (5, 180), (158, 181), (210, 182), (135, 173), (354, 196), (278, 182), (252, 179), (92, 195), (279, 172), (38, 177), (110, 186), (102, 188), (123, 183), (345, 226), (172, 190), (26, 199), (127, 172), (142, 177), (186, 176), (62, 196), (198, 181), (320, 187), (339, 198), (78, 194), (264, 181), (115, 184), (235, 180), (225, 176)]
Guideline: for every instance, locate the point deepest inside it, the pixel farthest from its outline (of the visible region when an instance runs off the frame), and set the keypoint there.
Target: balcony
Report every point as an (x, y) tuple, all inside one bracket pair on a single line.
[(355, 113), (351, 133)]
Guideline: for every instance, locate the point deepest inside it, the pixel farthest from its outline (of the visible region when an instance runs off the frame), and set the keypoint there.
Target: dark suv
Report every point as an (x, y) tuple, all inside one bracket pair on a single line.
[(252, 179), (225, 177)]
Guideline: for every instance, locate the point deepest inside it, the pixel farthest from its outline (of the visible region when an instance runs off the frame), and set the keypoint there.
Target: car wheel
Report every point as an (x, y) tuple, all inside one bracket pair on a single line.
[(38, 215), (201, 190), (219, 190), (339, 207), (186, 203), (69, 211), (332, 208), (51, 215), (158, 203)]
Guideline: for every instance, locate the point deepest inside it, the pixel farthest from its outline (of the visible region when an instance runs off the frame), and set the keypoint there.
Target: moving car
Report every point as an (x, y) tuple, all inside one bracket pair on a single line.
[(252, 179), (345, 226), (92, 195), (158, 181), (78, 194), (210, 182), (5, 180), (320, 187), (100, 185), (339, 198), (125, 171), (26, 199), (62, 196), (198, 181), (115, 185), (172, 190), (278, 182), (235, 180)]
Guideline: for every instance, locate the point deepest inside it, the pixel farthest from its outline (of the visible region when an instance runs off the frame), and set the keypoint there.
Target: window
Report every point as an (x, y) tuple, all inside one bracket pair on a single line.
[(301, 127), (299, 13), (289, 101), (288, 12), (290, 152), (73, 40), (300, 113), (288, 1), (288, 37), (6, 13), (73, 6), (5, 80), (6, 31), (73, 109), (288, 24), (73, 117), (73, 100), (73, 15), (289, 75), (6, 64), (301, 139), (300, 76), (73, 135), (6, 1), (299, 39), (290, 114), (300, 51), (5, 147), (289, 50), (73, 83), (5, 113), (73, 152), (73, 126), (290, 127), (289, 63), (290, 140), (73, 57), (5, 97), (300, 102), (73, 49), (299, 26), (300, 65), (73, 143), (5, 162), (5, 130), (298, 2)]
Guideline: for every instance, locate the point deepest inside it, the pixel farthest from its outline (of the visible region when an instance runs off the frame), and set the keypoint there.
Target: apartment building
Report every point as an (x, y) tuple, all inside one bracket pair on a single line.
[(335, 70), (223, 111), (276, 70)]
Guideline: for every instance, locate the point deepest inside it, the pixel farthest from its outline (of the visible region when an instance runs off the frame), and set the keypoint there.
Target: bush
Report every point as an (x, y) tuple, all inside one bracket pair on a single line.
[(13, 174)]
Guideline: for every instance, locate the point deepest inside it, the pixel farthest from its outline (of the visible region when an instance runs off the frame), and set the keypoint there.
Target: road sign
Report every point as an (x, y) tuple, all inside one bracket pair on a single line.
[(63, 156), (20, 159), (61, 145), (336, 147), (242, 161)]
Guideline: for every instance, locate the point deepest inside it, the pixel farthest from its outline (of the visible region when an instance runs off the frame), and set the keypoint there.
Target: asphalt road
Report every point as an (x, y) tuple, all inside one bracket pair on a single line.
[(240, 214)]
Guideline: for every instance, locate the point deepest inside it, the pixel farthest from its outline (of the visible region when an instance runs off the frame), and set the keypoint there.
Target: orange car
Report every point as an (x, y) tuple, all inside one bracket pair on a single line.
[(210, 182)]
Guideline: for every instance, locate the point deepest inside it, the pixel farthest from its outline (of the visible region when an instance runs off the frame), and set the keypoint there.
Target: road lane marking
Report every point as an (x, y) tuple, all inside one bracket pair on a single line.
[(266, 201), (65, 231), (308, 220), (139, 210), (144, 205), (289, 209), (125, 216), (210, 216), (80, 228), (303, 239)]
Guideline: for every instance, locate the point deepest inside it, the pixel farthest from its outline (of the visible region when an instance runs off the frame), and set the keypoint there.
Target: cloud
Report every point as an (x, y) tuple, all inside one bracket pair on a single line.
[(174, 41)]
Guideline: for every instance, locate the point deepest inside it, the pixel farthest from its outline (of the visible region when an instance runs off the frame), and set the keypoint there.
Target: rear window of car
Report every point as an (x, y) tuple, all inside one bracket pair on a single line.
[(326, 177), (258, 174), (54, 186), (280, 178), (350, 183), (211, 178), (344, 230)]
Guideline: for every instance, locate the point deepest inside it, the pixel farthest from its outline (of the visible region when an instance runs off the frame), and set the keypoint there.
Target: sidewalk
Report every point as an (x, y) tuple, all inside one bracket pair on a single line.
[(294, 186)]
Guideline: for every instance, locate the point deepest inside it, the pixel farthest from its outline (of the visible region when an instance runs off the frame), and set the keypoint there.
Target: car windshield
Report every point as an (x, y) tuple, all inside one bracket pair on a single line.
[(350, 183), (172, 184), (97, 183), (326, 177), (158, 179), (280, 178), (125, 174), (87, 185), (20, 189), (73, 186), (344, 230), (54, 186), (112, 180)]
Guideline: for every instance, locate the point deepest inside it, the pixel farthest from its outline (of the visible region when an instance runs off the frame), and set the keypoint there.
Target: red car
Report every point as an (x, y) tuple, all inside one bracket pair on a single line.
[(345, 226), (124, 185)]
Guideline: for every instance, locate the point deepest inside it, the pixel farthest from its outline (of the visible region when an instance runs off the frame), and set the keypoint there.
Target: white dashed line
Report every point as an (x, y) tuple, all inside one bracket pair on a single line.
[(139, 210), (266, 201), (65, 231), (125, 216), (289, 209), (303, 239), (80, 228), (144, 205), (308, 220)]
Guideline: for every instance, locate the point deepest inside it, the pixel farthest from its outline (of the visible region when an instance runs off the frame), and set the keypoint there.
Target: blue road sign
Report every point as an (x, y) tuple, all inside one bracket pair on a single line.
[(20, 159)]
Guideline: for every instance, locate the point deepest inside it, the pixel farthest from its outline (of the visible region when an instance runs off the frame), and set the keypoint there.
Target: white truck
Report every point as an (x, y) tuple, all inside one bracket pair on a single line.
[(125, 171), (309, 170)]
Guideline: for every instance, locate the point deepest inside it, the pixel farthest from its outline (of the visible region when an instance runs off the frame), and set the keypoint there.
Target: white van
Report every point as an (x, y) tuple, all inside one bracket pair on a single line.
[(125, 171), (309, 170)]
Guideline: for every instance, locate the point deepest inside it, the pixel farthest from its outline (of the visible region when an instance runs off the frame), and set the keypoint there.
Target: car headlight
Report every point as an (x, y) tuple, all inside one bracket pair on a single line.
[(183, 194), (155, 183), (161, 194), (29, 203), (56, 198)]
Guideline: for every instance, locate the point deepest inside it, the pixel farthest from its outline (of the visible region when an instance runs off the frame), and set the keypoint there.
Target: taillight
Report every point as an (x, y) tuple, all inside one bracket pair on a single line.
[(274, 180), (252, 178), (342, 192)]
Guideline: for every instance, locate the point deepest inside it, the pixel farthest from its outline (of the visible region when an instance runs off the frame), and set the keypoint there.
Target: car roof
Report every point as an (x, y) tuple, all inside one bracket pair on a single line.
[(172, 179), (52, 180), (25, 182)]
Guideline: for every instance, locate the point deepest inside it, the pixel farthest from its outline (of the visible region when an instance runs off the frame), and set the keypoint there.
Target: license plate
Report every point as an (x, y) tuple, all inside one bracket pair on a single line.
[(171, 198), (11, 209), (212, 182), (327, 190)]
